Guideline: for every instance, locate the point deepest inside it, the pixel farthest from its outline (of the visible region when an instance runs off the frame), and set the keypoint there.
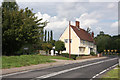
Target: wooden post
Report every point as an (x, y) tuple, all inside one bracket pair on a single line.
[(69, 40)]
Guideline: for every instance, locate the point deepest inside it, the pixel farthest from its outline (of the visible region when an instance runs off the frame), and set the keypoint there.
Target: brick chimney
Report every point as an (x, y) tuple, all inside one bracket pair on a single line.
[(93, 34), (77, 24)]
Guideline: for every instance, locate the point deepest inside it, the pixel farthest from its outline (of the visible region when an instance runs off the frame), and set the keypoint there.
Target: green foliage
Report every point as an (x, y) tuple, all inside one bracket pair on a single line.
[(92, 53), (59, 46), (48, 37), (51, 35), (27, 60), (19, 27), (45, 35), (52, 42), (67, 55), (47, 47), (102, 42), (101, 33), (112, 74), (31, 49), (107, 42)]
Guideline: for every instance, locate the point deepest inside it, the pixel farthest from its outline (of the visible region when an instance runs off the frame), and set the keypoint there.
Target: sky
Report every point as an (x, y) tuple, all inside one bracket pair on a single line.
[(99, 16)]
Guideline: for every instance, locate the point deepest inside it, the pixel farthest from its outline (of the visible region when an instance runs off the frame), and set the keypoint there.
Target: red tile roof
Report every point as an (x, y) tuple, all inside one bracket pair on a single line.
[(82, 34)]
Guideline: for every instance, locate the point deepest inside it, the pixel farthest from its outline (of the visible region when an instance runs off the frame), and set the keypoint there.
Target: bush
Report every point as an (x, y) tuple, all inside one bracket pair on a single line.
[(67, 55), (92, 53), (59, 46), (27, 49)]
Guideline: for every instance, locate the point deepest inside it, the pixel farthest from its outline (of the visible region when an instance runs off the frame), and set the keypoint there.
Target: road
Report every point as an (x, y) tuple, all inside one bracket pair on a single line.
[(83, 70)]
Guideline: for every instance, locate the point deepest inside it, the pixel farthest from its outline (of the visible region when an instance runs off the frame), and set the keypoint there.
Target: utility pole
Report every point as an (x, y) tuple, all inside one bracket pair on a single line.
[(69, 40)]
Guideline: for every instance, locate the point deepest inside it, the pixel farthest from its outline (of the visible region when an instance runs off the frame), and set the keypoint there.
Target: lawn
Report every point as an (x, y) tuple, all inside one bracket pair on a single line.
[(113, 74), (26, 60)]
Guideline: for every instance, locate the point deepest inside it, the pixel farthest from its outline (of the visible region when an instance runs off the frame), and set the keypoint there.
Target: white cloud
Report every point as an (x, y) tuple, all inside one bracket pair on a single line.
[(70, 10), (43, 16), (114, 25), (55, 24), (88, 19), (103, 0), (111, 5)]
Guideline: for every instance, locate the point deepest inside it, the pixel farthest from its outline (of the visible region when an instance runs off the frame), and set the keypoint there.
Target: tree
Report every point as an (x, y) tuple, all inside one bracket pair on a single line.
[(101, 33), (19, 27), (47, 47), (45, 35), (59, 46), (51, 35), (48, 37), (107, 42), (103, 42), (88, 30), (52, 42)]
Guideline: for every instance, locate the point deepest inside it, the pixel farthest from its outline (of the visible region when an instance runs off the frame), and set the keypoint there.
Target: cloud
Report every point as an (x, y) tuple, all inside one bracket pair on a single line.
[(114, 25), (88, 19), (103, 0), (111, 5), (114, 28), (70, 10), (55, 24)]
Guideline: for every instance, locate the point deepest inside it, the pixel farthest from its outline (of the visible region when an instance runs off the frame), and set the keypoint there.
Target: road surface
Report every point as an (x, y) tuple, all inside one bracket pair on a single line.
[(83, 70)]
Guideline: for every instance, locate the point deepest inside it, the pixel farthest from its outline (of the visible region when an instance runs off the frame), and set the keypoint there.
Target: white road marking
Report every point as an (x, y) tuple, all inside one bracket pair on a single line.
[(16, 73), (104, 71), (67, 70)]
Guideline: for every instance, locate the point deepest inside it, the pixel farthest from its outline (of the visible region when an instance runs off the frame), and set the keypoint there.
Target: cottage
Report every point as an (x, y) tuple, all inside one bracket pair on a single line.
[(81, 42)]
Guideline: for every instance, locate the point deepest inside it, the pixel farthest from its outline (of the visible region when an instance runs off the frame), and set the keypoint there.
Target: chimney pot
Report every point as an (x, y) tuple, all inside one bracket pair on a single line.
[(77, 24), (93, 34)]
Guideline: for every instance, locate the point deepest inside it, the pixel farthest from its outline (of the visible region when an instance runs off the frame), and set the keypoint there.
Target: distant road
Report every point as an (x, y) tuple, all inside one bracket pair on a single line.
[(87, 69)]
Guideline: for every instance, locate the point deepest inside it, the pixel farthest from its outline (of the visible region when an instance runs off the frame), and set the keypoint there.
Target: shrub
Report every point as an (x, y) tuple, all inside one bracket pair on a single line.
[(59, 46), (92, 53), (67, 55), (27, 49)]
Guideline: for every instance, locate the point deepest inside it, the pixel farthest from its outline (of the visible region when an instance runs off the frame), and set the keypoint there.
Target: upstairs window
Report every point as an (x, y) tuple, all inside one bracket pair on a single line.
[(83, 42), (66, 40)]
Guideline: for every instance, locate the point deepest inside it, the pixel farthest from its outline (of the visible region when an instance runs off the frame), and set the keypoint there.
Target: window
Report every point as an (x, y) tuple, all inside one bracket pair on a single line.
[(83, 42), (81, 49), (66, 40)]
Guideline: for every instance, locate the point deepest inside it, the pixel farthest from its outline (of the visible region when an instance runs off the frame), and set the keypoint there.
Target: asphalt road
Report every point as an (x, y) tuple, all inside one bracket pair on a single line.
[(83, 70)]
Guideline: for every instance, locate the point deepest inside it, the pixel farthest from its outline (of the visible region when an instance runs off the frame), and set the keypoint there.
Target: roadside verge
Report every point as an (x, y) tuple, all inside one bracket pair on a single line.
[(40, 66)]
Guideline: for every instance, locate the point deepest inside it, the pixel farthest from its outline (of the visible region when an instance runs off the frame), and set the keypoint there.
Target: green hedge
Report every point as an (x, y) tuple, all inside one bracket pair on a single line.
[(92, 53), (67, 55)]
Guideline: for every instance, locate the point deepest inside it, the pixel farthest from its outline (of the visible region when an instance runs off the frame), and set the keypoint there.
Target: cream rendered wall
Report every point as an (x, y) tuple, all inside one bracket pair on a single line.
[(65, 35), (75, 41)]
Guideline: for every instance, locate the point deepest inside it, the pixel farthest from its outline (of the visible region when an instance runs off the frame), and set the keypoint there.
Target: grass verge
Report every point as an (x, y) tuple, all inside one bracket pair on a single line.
[(26, 60), (113, 74)]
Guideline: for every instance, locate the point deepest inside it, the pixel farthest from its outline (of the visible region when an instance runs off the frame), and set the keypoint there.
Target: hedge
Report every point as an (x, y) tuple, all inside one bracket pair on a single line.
[(67, 55)]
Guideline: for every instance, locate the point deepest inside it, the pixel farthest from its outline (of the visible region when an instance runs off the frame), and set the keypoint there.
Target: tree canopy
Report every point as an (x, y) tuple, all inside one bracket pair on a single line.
[(19, 27), (107, 42), (59, 46)]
